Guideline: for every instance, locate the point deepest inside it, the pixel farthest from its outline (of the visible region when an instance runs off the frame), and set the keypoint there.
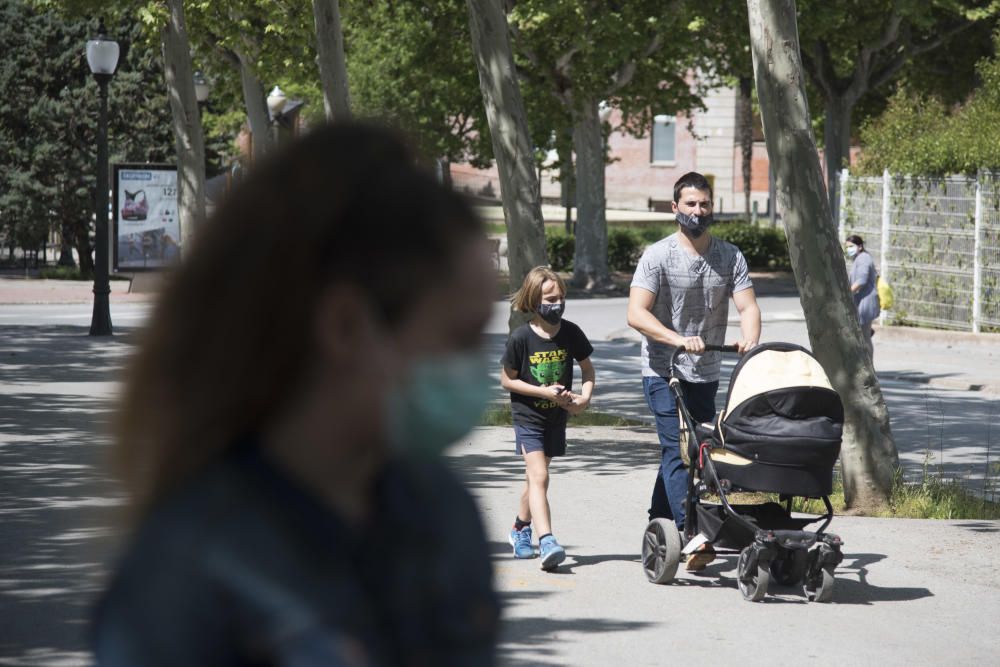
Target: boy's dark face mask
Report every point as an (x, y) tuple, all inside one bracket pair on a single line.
[(551, 312), (695, 224)]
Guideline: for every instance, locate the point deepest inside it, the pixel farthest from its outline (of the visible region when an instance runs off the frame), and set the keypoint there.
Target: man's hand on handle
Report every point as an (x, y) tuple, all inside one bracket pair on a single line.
[(693, 344)]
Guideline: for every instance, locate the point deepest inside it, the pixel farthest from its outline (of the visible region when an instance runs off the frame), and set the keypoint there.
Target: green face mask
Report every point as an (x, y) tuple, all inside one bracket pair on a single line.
[(442, 400)]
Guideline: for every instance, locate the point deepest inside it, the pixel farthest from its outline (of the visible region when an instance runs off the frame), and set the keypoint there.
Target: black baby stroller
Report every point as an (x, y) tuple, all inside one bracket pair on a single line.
[(780, 433)]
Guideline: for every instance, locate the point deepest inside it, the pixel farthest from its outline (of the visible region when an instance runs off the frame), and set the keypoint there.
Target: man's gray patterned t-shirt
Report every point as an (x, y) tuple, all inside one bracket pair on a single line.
[(692, 298)]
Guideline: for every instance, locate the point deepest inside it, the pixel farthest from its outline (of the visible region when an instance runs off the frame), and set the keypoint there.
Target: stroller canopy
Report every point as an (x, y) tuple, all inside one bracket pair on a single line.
[(782, 414)]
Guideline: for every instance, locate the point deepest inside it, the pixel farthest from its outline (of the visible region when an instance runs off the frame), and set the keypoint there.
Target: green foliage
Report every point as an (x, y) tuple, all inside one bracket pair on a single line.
[(906, 138), (411, 64), (63, 273), (625, 248), (764, 248), (857, 53), (652, 233), (560, 247), (921, 135), (931, 498), (636, 54), (71, 273), (48, 122), (277, 40)]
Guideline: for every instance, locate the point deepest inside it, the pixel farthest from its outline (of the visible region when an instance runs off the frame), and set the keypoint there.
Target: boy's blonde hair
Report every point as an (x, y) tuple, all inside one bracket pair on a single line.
[(529, 297)]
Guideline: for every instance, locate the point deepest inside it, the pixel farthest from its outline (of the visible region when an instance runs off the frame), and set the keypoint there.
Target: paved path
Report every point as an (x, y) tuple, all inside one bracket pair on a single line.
[(15, 290), (907, 593), (912, 591)]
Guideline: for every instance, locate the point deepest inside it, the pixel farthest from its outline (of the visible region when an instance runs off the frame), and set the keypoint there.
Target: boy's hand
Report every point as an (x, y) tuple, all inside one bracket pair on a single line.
[(559, 394), (577, 404)]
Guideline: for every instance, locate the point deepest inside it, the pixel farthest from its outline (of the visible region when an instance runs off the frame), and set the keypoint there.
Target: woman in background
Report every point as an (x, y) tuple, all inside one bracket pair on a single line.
[(864, 287)]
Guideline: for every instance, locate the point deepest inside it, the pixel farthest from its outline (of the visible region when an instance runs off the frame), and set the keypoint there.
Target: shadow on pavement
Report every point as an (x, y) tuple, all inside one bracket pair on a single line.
[(39, 354), (852, 585), (981, 526), (57, 499), (576, 561), (531, 640), (532, 634), (485, 471), (585, 453), (847, 590)]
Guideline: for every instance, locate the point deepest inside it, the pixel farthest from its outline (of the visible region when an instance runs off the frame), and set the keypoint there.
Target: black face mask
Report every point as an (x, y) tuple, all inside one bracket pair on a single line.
[(551, 312), (695, 224)]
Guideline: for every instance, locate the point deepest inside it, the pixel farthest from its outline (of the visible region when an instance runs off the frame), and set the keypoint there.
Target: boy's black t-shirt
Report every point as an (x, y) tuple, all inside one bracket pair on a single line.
[(542, 362)]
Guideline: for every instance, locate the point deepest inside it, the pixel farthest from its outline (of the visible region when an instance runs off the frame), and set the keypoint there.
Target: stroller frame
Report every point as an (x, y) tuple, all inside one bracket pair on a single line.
[(771, 543)]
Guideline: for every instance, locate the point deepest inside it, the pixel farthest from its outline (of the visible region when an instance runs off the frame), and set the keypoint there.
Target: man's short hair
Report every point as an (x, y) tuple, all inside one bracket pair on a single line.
[(692, 179)]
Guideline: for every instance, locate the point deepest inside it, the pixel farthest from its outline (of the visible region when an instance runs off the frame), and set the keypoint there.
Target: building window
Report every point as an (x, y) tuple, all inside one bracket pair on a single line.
[(663, 139)]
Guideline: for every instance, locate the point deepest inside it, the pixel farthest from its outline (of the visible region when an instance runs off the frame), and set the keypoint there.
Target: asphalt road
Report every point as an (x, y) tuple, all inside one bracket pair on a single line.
[(923, 592), (907, 593)]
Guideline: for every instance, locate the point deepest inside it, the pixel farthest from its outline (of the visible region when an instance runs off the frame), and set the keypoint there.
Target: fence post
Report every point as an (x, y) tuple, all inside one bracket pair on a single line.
[(977, 264), (886, 219), (841, 215)]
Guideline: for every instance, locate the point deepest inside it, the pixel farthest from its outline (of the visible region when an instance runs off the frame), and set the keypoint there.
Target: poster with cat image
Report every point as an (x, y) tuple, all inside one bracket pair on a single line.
[(147, 228)]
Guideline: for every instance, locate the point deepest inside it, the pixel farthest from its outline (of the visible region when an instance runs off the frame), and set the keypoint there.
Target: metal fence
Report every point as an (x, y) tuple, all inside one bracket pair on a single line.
[(937, 242)]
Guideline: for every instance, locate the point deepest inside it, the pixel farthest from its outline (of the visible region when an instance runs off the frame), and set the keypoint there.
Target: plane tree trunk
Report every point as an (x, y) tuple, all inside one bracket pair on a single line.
[(868, 457), (519, 187)]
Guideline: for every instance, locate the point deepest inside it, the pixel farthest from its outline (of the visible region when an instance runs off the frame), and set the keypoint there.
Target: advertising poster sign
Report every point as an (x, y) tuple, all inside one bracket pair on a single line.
[(147, 228)]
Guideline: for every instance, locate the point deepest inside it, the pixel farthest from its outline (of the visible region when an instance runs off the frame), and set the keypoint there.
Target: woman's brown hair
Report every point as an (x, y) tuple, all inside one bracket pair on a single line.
[(231, 337), (529, 296)]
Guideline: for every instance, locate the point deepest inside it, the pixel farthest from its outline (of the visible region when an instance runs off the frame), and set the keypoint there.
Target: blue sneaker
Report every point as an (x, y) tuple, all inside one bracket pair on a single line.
[(552, 554), (521, 541)]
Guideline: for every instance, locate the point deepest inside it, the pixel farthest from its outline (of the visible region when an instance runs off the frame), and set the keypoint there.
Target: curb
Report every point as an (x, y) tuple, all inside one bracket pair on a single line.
[(918, 334), (943, 383)]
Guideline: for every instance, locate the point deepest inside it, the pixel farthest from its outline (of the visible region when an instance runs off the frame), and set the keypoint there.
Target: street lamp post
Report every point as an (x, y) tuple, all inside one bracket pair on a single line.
[(276, 100), (202, 87), (102, 56), (283, 113)]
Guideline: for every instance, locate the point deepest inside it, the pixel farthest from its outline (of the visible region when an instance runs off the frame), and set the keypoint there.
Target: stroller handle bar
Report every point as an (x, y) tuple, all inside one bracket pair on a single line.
[(708, 348), (711, 348)]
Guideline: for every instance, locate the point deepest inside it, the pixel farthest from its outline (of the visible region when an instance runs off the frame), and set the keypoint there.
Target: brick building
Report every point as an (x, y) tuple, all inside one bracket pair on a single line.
[(644, 170)]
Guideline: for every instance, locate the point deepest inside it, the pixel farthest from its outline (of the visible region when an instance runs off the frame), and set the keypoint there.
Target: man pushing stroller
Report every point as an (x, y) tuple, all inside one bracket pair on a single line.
[(679, 296)]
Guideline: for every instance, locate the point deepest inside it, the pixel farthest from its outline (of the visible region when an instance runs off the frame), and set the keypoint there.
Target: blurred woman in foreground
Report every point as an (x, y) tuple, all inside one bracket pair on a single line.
[(281, 423)]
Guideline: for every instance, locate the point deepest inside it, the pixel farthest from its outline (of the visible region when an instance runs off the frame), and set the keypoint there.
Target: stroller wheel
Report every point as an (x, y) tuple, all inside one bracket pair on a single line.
[(661, 551), (819, 587), (789, 568), (752, 577)]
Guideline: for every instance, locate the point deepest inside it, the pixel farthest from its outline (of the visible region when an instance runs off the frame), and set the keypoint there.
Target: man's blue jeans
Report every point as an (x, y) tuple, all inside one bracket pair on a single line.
[(670, 489)]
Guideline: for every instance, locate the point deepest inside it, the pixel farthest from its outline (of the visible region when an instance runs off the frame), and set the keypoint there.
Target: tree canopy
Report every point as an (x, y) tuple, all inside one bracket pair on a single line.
[(411, 64), (48, 122), (922, 134)]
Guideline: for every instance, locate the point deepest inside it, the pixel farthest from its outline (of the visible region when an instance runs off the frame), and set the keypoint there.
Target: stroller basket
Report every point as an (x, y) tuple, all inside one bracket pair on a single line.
[(714, 523)]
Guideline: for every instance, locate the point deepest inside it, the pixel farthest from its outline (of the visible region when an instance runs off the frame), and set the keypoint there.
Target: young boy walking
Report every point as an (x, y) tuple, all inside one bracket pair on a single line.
[(537, 370)]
